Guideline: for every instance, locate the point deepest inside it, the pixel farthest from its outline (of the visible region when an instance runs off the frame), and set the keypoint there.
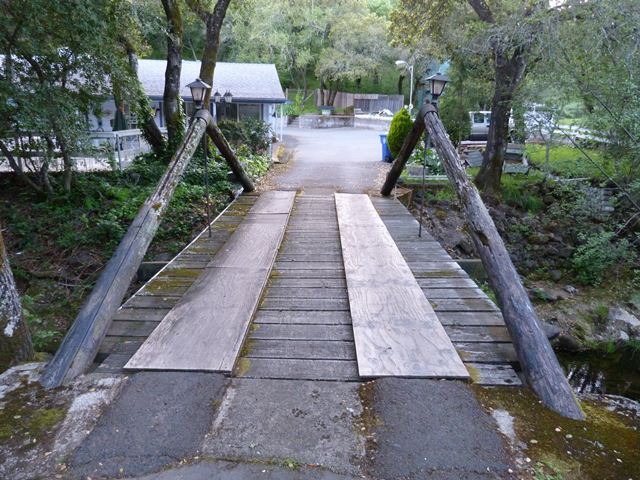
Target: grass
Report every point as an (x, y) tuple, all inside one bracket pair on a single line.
[(567, 161)]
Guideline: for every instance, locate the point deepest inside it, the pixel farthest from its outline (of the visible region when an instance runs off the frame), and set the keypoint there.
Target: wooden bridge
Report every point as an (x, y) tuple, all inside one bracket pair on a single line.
[(328, 287)]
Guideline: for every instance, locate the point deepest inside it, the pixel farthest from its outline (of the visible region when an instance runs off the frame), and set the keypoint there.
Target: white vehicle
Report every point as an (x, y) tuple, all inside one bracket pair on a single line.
[(480, 122)]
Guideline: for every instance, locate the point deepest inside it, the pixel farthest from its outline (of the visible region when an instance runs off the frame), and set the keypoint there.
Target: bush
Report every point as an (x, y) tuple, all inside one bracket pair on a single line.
[(398, 130), (253, 133), (599, 253)]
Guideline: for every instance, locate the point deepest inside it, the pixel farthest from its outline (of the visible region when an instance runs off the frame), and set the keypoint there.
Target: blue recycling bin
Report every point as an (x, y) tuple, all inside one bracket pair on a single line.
[(386, 153)]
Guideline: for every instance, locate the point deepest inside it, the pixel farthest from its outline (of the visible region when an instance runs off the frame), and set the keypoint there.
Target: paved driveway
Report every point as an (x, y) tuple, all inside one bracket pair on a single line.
[(328, 160)]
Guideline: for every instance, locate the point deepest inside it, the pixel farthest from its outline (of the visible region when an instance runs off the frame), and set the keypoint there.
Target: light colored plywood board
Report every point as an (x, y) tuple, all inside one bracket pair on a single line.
[(206, 328), (396, 331)]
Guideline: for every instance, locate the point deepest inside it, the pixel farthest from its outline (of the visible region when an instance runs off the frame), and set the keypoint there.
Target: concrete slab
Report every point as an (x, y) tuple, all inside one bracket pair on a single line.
[(433, 429), (160, 418), (221, 470), (301, 421)]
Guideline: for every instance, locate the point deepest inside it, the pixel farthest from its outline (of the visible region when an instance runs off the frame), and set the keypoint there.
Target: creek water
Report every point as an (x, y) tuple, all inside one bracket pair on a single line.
[(616, 373)]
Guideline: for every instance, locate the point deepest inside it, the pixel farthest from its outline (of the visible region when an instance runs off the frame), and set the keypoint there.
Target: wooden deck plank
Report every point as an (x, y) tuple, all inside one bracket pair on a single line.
[(303, 349), (396, 331), (303, 317), (205, 330), (302, 332), (298, 369), (306, 292)]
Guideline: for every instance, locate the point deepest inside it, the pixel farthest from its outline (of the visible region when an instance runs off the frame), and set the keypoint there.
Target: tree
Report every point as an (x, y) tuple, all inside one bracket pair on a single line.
[(592, 55), (352, 53), (505, 32), (15, 341), (213, 21), (61, 60), (172, 102)]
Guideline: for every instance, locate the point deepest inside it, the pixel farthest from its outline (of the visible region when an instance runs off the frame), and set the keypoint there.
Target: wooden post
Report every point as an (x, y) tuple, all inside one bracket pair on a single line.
[(405, 152), (227, 152), (538, 361), (81, 343)]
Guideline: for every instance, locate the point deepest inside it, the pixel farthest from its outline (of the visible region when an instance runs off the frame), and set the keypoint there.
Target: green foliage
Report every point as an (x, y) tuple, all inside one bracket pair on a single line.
[(400, 126), (250, 132), (454, 113), (65, 58), (519, 191), (568, 162), (598, 254)]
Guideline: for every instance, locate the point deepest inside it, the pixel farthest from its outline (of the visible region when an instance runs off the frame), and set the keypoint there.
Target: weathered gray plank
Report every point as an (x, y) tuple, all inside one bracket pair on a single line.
[(495, 375), (146, 314), (464, 305), (301, 332), (487, 352), (304, 349), (303, 292), (449, 283), (279, 282), (317, 304), (396, 331), (451, 293), (205, 330), (308, 273), (470, 318), (458, 333), (298, 369), (302, 317)]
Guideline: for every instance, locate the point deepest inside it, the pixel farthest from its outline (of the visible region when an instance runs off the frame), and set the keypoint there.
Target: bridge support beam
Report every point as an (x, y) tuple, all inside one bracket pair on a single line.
[(405, 152), (537, 358), (81, 343)]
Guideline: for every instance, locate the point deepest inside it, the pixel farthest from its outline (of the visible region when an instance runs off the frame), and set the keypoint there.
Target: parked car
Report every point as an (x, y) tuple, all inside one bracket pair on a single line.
[(480, 122), (383, 113)]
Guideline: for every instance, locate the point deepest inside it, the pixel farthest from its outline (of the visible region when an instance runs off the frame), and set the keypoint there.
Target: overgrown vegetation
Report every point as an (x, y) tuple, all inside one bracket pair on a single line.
[(59, 244)]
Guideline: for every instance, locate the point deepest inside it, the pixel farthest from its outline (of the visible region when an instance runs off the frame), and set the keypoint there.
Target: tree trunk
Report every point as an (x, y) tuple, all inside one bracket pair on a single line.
[(150, 129), (400, 82), (213, 23), (227, 152), (537, 359), (173, 114), (509, 74), (15, 341)]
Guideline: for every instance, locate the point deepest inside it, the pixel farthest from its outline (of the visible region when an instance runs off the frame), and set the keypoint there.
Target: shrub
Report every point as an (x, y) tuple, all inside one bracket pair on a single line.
[(598, 254), (253, 133), (398, 130)]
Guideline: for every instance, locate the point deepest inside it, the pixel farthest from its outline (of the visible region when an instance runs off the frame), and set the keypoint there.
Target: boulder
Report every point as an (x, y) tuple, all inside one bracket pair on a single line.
[(551, 331), (555, 275), (620, 320)]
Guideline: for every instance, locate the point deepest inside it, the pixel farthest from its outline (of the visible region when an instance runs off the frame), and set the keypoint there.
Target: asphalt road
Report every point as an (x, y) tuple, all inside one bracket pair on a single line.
[(328, 160)]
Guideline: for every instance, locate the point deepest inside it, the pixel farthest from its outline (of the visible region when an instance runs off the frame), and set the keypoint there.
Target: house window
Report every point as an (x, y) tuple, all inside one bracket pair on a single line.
[(227, 111), (249, 110)]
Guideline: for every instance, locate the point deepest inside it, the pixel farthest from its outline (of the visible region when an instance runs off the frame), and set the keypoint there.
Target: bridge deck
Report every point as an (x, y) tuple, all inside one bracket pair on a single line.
[(302, 328)]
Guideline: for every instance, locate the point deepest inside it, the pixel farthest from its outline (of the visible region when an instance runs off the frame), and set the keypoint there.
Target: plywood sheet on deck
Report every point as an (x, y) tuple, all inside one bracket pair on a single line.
[(204, 331), (396, 331)]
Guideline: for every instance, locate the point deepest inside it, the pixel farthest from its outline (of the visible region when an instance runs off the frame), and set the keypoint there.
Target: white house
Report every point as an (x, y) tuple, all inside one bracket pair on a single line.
[(255, 88)]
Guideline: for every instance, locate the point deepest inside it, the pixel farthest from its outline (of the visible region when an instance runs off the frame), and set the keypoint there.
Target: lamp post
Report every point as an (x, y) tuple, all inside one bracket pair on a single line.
[(438, 82), (219, 98), (407, 66), (199, 91)]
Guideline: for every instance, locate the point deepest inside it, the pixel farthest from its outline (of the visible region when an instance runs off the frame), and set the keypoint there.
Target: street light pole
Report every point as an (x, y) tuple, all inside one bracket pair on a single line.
[(199, 90), (411, 89)]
